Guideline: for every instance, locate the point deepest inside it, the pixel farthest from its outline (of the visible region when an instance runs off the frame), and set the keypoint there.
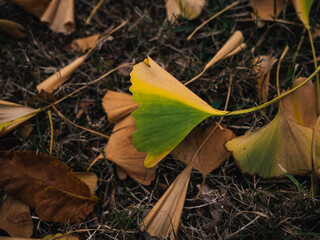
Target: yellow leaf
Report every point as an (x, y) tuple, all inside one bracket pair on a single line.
[(85, 43), (303, 9)]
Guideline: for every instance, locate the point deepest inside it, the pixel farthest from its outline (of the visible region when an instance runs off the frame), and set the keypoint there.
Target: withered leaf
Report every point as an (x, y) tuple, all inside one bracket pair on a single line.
[(36, 7), (46, 184), (15, 217), (118, 105), (213, 153), (121, 151)]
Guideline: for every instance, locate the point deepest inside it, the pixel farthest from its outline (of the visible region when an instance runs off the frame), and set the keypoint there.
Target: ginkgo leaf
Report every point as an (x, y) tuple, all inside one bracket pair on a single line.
[(263, 66), (303, 9), (14, 29), (168, 111), (60, 16), (15, 217), (267, 9), (36, 7), (46, 184), (189, 9), (283, 142), (163, 219), (85, 43), (118, 105), (88, 178), (212, 154), (121, 151), (12, 115), (233, 46), (57, 79)]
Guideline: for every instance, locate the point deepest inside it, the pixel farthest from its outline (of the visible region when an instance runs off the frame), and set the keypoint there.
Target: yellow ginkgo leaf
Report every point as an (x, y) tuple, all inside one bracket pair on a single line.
[(303, 9), (168, 110), (57, 79), (14, 29), (189, 9), (36, 7), (163, 219), (283, 142), (12, 115)]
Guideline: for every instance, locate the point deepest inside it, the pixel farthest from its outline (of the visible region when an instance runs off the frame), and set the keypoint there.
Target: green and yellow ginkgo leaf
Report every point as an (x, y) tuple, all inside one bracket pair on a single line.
[(303, 9), (168, 110), (286, 141)]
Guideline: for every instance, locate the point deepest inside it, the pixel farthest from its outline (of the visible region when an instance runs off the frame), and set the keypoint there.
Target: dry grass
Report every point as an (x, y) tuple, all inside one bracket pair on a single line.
[(235, 206)]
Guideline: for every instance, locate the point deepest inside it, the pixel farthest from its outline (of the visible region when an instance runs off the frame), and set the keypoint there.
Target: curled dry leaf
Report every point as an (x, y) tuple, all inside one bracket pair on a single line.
[(15, 217), (118, 105), (14, 29), (121, 151), (36, 7), (46, 184), (163, 219), (266, 9), (60, 16), (57, 79), (168, 111), (212, 154), (85, 43), (189, 9), (286, 141), (263, 66), (12, 115), (233, 46)]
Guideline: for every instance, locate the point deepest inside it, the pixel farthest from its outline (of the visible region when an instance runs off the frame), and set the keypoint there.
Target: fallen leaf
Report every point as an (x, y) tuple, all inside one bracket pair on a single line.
[(168, 111), (14, 29), (36, 7), (60, 236), (46, 184), (266, 9), (212, 154), (303, 8), (263, 66), (189, 9), (12, 115), (85, 43), (233, 46), (15, 217), (57, 79), (88, 178), (121, 151), (163, 219), (283, 141), (118, 105), (60, 16)]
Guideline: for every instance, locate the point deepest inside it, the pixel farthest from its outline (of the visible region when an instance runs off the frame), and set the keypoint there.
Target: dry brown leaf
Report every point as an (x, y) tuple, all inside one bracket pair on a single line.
[(163, 219), (57, 236), (85, 43), (213, 153), (46, 184), (14, 29), (36, 7), (88, 178), (189, 9), (57, 79), (118, 105), (263, 66), (60, 16), (121, 151), (15, 217), (12, 115), (266, 10)]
